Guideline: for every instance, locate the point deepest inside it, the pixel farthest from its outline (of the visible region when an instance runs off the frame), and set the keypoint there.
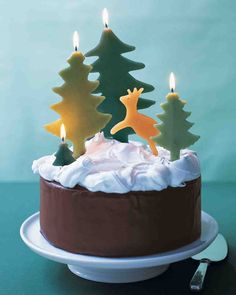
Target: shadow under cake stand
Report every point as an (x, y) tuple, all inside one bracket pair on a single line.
[(115, 270)]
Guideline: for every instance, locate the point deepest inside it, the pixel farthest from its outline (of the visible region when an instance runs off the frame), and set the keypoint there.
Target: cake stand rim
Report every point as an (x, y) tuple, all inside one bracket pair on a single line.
[(65, 257)]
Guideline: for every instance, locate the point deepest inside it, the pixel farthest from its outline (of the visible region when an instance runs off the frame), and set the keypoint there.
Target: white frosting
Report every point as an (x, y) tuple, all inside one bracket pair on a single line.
[(114, 167)]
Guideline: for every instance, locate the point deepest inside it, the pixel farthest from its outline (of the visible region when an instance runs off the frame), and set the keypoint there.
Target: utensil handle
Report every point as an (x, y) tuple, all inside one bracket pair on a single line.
[(198, 278)]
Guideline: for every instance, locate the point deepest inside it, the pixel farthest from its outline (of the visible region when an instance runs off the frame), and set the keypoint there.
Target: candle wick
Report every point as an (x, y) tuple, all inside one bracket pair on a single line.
[(76, 48), (106, 25), (63, 139), (172, 90)]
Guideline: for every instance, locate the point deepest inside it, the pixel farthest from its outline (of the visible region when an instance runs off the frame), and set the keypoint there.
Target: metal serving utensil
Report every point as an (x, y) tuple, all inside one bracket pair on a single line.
[(217, 251)]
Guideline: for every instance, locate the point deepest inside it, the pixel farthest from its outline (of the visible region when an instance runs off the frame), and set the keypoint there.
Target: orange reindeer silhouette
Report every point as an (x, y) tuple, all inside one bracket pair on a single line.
[(141, 124)]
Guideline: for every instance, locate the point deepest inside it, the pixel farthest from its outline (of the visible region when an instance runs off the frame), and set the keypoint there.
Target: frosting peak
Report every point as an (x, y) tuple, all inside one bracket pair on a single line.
[(114, 167)]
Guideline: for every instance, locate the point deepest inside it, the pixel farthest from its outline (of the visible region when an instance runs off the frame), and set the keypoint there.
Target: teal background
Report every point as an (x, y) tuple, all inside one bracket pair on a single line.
[(194, 39)]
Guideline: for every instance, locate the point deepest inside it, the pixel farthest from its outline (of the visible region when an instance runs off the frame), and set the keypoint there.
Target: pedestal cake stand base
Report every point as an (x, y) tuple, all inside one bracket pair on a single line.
[(118, 275), (115, 270)]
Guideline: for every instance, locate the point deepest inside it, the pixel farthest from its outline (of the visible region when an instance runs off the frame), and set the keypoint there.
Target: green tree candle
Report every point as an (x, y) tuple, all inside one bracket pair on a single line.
[(78, 108), (64, 154), (115, 79), (174, 134)]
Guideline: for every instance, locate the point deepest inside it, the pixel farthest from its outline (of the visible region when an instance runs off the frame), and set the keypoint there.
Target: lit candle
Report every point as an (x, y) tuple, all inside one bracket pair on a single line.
[(141, 124), (172, 82), (105, 18), (78, 108), (174, 134), (64, 154), (75, 40), (115, 78)]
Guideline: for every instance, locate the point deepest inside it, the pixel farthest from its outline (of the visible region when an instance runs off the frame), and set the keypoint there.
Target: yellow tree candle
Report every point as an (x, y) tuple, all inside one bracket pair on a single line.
[(141, 124), (174, 134), (78, 108)]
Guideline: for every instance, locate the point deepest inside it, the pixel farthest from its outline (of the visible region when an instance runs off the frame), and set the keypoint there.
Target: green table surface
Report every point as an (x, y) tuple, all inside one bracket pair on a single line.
[(23, 272)]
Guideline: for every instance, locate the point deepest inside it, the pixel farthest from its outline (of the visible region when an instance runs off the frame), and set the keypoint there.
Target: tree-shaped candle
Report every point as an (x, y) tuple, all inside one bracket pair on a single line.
[(174, 134), (78, 108), (115, 78), (141, 124), (64, 154)]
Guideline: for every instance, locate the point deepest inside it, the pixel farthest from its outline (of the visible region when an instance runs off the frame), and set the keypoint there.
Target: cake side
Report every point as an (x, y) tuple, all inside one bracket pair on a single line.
[(120, 225)]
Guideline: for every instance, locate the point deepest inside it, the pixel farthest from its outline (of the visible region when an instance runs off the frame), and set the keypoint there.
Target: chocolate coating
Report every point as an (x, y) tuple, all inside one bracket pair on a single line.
[(120, 225)]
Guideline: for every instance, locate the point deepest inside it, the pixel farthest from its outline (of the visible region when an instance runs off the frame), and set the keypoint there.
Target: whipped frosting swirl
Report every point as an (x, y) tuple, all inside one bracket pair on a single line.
[(114, 167)]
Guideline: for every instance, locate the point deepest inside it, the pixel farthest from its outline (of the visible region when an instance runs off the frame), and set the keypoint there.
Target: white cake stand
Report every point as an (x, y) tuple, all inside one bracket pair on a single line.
[(115, 270)]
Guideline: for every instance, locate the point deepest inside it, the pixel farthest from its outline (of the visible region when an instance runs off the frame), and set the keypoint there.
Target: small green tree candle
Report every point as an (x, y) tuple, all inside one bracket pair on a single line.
[(64, 154), (115, 79), (174, 134)]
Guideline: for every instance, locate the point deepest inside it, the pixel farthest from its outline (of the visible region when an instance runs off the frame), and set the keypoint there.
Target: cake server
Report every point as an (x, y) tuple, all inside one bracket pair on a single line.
[(217, 251)]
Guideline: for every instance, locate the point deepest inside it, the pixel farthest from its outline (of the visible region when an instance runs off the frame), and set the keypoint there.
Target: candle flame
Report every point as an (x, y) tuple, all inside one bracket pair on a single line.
[(63, 132), (172, 82), (105, 17), (76, 40)]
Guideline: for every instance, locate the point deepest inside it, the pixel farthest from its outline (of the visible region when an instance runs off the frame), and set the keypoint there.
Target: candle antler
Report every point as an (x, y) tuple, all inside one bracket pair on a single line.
[(141, 124)]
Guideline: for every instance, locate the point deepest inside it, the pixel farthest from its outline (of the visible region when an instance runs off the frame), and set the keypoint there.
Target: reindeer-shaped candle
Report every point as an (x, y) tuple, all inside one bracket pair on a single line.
[(141, 124)]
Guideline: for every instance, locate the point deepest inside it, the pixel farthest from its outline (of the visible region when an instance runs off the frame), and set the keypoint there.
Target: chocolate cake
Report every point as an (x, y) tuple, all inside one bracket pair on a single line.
[(131, 224), (118, 200)]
